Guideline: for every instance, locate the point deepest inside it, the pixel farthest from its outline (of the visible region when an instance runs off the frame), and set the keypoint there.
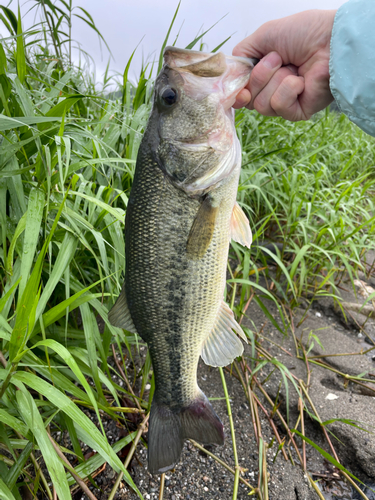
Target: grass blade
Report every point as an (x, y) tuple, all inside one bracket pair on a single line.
[(21, 59), (16, 469), (5, 493), (31, 415), (33, 223), (61, 401), (167, 37)]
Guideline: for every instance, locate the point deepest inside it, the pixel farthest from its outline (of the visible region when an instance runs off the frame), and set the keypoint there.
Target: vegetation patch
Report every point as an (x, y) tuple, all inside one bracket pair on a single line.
[(67, 159)]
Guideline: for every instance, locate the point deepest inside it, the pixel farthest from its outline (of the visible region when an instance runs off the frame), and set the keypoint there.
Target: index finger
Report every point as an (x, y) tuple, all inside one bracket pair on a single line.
[(262, 74), (246, 48)]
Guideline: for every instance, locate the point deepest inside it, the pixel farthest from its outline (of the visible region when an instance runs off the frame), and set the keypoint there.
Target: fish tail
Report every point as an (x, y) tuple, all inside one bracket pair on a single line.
[(169, 427)]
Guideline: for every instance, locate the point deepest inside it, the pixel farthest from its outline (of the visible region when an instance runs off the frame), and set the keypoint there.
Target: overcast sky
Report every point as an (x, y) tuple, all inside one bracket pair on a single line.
[(123, 23)]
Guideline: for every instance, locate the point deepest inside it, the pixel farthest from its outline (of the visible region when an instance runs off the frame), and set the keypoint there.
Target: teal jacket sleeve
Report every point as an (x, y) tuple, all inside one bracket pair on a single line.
[(352, 62)]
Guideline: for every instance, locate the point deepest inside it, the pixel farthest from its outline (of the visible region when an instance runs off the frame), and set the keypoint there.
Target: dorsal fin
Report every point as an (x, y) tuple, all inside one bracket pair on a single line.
[(222, 346), (120, 316), (240, 227)]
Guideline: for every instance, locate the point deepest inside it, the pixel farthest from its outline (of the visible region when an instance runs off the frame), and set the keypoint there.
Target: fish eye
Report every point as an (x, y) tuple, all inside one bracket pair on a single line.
[(169, 96)]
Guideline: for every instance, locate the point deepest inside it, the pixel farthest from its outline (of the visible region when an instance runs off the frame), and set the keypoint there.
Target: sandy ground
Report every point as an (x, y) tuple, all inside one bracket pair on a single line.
[(198, 476)]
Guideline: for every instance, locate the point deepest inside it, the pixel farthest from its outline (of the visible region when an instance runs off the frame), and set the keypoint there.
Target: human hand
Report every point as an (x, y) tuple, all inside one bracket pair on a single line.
[(292, 78)]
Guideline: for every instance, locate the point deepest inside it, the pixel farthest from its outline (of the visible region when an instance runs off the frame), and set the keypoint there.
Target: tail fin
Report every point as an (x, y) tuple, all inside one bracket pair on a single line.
[(168, 429)]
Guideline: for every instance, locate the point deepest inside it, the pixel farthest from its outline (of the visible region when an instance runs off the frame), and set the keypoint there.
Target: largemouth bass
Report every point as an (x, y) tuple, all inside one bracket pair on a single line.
[(181, 214)]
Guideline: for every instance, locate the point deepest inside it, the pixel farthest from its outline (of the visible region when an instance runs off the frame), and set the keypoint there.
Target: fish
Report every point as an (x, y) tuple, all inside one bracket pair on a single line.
[(181, 214)]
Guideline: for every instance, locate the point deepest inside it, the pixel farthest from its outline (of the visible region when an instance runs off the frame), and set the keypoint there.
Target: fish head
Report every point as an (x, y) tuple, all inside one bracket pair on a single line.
[(193, 99)]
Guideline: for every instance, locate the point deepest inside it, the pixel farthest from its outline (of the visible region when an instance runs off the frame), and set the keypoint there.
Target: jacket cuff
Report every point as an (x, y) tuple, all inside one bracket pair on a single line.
[(352, 62)]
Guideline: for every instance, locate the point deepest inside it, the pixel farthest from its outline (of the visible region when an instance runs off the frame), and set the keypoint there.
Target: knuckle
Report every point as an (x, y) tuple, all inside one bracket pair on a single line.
[(277, 104), (237, 49), (290, 80), (262, 104), (291, 118), (266, 29), (285, 73)]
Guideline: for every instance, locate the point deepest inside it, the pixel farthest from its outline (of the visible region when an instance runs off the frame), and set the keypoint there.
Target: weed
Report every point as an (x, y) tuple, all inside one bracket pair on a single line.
[(67, 159)]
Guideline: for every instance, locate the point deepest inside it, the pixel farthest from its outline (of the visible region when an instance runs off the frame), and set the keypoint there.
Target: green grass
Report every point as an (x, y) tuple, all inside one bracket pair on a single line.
[(67, 159)]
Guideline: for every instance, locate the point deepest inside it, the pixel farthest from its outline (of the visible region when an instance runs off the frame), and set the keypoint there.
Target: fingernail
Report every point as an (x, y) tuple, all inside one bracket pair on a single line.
[(272, 60)]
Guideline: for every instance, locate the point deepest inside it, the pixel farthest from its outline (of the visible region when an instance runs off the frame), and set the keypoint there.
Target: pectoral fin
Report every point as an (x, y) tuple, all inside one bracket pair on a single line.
[(240, 227), (202, 230), (222, 346), (120, 316)]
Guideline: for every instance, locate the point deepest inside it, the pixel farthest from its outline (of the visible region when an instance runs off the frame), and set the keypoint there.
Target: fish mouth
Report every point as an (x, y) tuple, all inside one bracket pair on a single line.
[(223, 75)]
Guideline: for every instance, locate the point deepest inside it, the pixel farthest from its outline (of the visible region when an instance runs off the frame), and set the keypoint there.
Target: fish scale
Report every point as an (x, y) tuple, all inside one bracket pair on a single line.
[(179, 285), (177, 231)]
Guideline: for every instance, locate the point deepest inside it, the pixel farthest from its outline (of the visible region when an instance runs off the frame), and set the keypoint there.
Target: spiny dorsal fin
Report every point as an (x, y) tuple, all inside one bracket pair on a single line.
[(222, 346), (119, 315), (202, 230), (239, 227)]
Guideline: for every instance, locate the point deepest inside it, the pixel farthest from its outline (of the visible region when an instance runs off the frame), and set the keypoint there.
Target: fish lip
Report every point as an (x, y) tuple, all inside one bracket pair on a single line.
[(251, 61)]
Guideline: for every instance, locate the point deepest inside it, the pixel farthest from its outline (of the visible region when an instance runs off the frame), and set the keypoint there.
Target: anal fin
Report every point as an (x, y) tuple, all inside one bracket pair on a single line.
[(240, 227), (119, 315), (222, 346)]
